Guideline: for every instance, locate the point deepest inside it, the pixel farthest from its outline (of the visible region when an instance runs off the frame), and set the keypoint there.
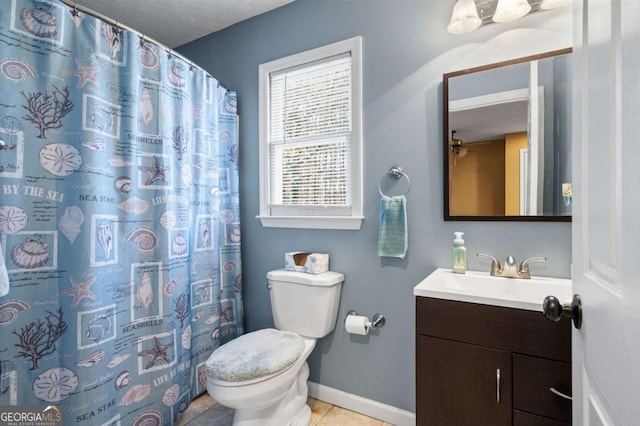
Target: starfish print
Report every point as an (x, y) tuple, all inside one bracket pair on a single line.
[(159, 352), (84, 73), (156, 172), (79, 290)]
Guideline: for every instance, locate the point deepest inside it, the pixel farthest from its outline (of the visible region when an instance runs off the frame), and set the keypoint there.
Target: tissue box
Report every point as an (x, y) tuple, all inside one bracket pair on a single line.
[(311, 263)]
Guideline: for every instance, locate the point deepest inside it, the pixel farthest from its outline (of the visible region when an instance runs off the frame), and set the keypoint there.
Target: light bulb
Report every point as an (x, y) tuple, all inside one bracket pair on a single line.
[(464, 17), (510, 10)]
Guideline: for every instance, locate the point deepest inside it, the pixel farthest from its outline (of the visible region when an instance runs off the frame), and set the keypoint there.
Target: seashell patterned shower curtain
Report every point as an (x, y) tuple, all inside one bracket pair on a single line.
[(119, 219)]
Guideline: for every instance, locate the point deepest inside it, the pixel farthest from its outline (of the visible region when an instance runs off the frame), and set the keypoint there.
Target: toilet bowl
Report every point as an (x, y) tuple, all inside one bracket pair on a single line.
[(275, 399), (263, 374)]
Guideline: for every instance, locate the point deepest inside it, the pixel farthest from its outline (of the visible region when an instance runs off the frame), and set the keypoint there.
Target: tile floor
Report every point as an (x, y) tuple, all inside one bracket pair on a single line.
[(205, 411)]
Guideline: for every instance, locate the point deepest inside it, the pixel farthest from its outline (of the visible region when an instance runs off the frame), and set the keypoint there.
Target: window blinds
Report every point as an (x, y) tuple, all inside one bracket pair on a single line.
[(310, 135)]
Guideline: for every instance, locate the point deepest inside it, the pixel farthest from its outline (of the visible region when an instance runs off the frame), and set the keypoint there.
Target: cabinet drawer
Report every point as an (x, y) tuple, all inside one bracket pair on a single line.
[(532, 380), (514, 330), (526, 419)]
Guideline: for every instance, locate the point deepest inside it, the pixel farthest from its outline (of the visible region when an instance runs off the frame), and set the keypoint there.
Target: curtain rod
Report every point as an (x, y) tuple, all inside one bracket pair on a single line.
[(74, 4)]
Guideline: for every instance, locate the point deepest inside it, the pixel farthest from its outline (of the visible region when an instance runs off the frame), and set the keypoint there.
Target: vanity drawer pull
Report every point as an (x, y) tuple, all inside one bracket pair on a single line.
[(560, 394), (498, 385)]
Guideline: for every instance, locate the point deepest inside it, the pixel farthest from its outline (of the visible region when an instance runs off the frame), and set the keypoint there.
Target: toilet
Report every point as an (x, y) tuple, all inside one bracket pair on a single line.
[(263, 374)]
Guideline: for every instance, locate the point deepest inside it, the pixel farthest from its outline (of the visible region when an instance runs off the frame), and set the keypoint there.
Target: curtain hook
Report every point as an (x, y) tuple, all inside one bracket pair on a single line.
[(75, 10), (142, 40)]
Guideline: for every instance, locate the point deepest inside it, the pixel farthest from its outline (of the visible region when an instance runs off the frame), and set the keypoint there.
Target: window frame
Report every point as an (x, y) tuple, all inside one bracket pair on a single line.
[(353, 47)]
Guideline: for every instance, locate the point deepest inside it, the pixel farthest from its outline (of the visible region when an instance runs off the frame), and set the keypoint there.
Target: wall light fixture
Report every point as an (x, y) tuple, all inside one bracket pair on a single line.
[(468, 15)]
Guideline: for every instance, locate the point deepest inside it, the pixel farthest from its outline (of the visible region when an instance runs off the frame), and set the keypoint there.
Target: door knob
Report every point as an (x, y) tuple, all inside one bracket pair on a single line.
[(554, 310)]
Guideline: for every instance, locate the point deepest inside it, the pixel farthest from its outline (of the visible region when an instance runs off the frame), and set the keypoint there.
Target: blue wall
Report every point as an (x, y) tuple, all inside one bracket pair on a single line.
[(406, 49)]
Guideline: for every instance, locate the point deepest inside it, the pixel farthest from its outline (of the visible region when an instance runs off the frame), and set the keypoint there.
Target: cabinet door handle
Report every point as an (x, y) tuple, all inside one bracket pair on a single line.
[(560, 394), (498, 385)]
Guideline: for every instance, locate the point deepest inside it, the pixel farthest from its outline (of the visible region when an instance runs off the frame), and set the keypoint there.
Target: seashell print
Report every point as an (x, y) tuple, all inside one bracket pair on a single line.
[(39, 22), (104, 235), (226, 216), (202, 377), (186, 337), (145, 107), (134, 205), (55, 384), (176, 75), (30, 254), (186, 174), (212, 319), (168, 220), (205, 234), (231, 105), (119, 162), (92, 359), (123, 380), (171, 395), (145, 291), (234, 234), (123, 184), (60, 159), (99, 327), (102, 118), (117, 360), (10, 309), (215, 334), (170, 287), (197, 315), (179, 245), (137, 393), (12, 219), (95, 145), (70, 222), (145, 239), (16, 70), (228, 266), (148, 418), (224, 136), (111, 36), (149, 59)]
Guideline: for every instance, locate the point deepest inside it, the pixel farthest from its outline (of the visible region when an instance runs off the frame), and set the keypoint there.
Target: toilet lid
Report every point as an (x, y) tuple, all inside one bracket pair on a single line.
[(254, 355)]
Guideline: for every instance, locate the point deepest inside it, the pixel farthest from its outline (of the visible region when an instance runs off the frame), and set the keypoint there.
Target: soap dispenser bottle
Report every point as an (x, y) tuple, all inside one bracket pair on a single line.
[(459, 254)]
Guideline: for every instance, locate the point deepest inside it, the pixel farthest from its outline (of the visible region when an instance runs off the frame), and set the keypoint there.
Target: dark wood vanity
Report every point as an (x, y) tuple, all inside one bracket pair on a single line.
[(489, 365)]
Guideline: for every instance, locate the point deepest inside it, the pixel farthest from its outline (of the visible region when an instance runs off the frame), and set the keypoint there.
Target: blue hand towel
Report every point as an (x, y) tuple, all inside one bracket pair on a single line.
[(393, 240), (4, 277)]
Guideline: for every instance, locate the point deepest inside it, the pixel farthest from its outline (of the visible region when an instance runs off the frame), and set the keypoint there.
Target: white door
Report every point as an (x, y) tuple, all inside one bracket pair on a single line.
[(606, 215)]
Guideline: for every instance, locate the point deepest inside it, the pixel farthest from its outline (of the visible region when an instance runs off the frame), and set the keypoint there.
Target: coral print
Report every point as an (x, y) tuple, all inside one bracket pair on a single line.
[(119, 219)]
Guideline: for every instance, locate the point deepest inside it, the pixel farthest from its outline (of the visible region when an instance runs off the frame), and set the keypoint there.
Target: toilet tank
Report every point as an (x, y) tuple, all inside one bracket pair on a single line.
[(306, 304)]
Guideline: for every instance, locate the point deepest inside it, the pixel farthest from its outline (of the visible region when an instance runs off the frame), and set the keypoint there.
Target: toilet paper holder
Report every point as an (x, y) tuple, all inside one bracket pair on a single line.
[(378, 320)]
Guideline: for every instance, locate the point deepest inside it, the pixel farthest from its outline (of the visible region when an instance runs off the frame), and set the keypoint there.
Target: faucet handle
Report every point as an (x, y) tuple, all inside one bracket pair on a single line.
[(523, 271), (496, 268)]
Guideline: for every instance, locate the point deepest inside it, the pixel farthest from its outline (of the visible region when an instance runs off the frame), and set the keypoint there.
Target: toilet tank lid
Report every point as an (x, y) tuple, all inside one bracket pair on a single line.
[(325, 279)]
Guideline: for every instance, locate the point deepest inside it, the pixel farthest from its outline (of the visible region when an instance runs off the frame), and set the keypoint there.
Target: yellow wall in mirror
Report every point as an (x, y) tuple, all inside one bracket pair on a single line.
[(476, 183), (513, 143)]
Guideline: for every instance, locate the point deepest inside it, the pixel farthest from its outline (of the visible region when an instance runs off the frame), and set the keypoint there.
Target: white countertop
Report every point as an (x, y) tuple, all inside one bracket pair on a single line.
[(482, 288)]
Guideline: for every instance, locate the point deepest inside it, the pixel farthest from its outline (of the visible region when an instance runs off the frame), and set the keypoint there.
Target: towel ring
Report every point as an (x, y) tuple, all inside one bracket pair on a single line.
[(396, 173)]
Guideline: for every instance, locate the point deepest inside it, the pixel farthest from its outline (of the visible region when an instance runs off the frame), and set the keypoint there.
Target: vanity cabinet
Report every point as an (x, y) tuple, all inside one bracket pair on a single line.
[(489, 365)]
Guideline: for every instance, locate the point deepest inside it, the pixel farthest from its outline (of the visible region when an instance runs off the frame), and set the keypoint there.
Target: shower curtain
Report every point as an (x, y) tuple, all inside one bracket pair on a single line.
[(119, 219)]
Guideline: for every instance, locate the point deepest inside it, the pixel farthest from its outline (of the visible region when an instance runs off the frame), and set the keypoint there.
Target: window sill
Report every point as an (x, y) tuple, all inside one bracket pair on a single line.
[(312, 222)]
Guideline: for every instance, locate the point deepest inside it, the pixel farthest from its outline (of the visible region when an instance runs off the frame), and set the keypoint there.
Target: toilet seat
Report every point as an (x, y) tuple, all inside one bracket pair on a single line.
[(254, 357)]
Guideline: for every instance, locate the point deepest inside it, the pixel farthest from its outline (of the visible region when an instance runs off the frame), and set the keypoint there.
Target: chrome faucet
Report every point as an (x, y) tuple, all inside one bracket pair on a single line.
[(509, 270)]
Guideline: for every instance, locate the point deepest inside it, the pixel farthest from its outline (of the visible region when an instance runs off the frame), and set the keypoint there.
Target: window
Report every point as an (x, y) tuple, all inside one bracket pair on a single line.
[(311, 139)]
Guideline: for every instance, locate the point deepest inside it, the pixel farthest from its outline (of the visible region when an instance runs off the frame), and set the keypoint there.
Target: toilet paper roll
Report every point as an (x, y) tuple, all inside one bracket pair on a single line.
[(357, 324)]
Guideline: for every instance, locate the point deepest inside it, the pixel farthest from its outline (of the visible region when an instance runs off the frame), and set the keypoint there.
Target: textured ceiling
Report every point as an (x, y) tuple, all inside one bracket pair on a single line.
[(176, 22)]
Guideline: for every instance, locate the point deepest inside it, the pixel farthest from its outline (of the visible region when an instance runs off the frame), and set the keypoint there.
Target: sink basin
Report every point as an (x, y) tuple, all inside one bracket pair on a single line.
[(480, 287)]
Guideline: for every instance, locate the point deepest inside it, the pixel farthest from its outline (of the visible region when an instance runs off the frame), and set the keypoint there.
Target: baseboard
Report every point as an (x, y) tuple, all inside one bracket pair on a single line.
[(361, 405)]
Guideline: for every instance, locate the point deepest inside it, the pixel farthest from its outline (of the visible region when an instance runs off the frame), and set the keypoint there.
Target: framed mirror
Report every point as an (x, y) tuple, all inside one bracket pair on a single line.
[(507, 140)]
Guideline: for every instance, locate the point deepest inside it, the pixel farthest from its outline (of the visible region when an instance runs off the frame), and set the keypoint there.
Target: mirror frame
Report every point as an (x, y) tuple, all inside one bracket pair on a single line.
[(446, 137)]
